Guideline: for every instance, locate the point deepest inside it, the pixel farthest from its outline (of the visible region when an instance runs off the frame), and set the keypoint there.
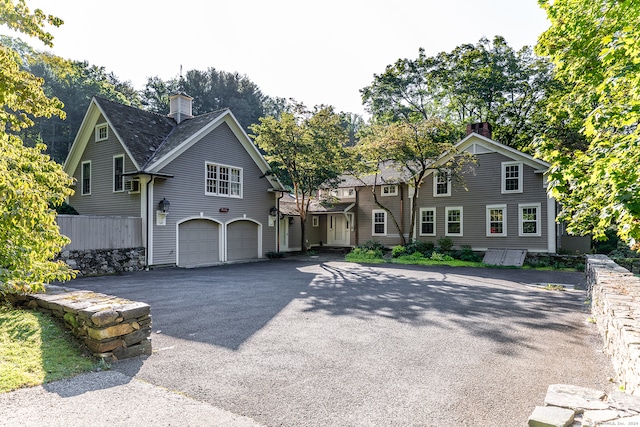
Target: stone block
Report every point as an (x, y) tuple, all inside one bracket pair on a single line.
[(594, 418), (550, 416), (103, 347), (109, 332), (143, 348), (137, 336), (134, 310), (574, 397), (624, 401), (104, 317)]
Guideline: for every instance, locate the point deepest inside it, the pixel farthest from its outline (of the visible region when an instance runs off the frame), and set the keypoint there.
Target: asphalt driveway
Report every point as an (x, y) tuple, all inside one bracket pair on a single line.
[(312, 343)]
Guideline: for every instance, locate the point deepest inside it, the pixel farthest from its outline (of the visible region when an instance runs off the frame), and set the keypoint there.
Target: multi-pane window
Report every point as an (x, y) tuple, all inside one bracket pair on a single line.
[(529, 223), (454, 221), (512, 177), (389, 190), (497, 220), (427, 221), (441, 184), (102, 132), (379, 227), (225, 181), (85, 177), (118, 171)]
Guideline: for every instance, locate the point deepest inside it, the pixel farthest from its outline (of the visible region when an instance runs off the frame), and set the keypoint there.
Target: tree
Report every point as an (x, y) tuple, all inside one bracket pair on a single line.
[(411, 149), (595, 47), (488, 81), (305, 151), (29, 181)]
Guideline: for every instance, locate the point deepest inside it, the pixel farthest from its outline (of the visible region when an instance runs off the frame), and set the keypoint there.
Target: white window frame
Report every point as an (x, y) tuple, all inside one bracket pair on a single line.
[(388, 190), (488, 210), (99, 128), (334, 193), (421, 222), (82, 177), (373, 222), (315, 221), (504, 177), (538, 220), (349, 192), (436, 181), (217, 181), (118, 156), (446, 220)]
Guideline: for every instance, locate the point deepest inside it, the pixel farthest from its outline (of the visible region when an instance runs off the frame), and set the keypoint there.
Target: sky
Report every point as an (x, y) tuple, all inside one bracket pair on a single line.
[(320, 52)]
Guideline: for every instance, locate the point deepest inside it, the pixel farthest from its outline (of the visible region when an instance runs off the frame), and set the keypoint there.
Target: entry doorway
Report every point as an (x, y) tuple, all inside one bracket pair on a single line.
[(337, 230)]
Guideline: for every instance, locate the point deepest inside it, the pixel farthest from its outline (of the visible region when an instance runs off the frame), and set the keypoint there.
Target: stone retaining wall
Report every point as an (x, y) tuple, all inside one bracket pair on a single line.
[(112, 328), (93, 262), (615, 296)]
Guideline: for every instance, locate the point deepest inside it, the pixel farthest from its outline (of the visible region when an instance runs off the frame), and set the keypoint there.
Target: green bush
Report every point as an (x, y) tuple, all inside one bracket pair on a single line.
[(445, 244), (425, 248), (467, 254), (360, 254), (416, 256), (398, 251), (440, 257), (372, 245)]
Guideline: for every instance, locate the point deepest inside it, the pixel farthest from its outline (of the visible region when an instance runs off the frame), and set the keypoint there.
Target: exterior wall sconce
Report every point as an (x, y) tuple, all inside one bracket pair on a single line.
[(291, 220), (273, 211), (162, 212)]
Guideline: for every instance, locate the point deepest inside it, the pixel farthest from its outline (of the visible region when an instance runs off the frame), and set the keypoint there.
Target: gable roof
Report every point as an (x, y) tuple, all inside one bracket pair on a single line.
[(152, 140)]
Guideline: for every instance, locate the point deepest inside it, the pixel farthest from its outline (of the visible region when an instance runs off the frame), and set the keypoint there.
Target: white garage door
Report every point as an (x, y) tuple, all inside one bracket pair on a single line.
[(198, 243), (242, 240)]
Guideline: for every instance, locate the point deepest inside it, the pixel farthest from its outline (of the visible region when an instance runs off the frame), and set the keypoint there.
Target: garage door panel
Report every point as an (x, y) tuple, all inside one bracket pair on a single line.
[(198, 243), (242, 240)]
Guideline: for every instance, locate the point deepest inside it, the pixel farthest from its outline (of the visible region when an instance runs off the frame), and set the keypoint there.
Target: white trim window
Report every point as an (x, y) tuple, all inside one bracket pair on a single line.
[(378, 222), (441, 184), (349, 192), (85, 178), (427, 221), (511, 177), (389, 190), (223, 181), (453, 216), (529, 220), (315, 221), (334, 193), (496, 220), (102, 132), (118, 171)]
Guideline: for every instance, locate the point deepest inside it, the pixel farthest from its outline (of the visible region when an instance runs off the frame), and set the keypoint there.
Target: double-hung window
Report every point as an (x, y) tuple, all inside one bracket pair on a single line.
[(389, 190), (496, 220), (441, 184), (118, 171), (427, 221), (222, 180), (85, 178), (102, 132), (529, 221), (511, 177), (379, 222), (454, 221)]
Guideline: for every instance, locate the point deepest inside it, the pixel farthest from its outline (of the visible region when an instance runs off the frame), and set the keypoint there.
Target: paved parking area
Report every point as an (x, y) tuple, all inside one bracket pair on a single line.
[(312, 343)]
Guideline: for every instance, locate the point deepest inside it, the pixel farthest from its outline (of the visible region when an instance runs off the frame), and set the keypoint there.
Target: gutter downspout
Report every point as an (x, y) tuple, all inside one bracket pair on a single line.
[(149, 225)]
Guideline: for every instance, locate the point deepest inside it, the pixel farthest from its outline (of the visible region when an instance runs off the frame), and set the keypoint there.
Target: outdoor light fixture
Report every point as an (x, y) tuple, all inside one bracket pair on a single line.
[(164, 205), (273, 211)]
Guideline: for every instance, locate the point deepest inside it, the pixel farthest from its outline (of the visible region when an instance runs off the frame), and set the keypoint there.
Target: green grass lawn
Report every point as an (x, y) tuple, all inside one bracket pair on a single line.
[(36, 348)]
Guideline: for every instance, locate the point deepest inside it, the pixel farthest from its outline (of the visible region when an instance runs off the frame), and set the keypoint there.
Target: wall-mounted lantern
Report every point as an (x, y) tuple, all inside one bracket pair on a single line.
[(273, 211), (162, 212)]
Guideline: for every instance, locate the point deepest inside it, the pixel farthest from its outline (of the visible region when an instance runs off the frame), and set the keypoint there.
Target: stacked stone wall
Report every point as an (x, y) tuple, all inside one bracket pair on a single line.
[(615, 296), (92, 262), (111, 328)]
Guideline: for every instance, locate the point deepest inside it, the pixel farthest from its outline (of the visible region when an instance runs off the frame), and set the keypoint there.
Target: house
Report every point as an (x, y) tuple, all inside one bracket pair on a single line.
[(199, 184), (503, 204)]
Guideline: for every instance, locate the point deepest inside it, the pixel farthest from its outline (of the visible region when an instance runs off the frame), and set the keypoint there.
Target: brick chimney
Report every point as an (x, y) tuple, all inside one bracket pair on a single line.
[(482, 128), (180, 106)]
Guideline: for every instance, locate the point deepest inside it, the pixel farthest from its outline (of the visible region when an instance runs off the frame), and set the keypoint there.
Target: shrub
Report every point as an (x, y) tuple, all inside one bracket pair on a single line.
[(398, 251), (445, 244), (425, 248), (416, 256), (360, 254), (372, 245), (440, 257), (467, 254)]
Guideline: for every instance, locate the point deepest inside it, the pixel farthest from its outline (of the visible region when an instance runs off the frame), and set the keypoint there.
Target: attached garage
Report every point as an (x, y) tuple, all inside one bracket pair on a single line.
[(243, 240), (198, 243)]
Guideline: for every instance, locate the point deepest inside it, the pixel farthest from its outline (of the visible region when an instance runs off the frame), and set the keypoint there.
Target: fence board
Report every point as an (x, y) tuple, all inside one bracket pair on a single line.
[(101, 232)]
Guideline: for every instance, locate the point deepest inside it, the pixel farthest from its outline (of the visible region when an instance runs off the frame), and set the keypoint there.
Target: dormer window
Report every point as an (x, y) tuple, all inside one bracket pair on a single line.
[(102, 132), (511, 177)]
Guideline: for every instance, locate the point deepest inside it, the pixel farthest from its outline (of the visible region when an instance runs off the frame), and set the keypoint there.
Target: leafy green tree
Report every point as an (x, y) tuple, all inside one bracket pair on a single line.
[(595, 47), (211, 90), (29, 180), (411, 149), (488, 81), (305, 150)]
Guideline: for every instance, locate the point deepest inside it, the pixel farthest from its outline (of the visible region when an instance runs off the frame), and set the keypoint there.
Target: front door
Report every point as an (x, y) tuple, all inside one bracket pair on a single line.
[(284, 234), (338, 234)]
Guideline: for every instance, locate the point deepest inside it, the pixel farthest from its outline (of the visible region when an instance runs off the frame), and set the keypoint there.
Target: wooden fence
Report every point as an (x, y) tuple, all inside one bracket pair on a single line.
[(101, 232)]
